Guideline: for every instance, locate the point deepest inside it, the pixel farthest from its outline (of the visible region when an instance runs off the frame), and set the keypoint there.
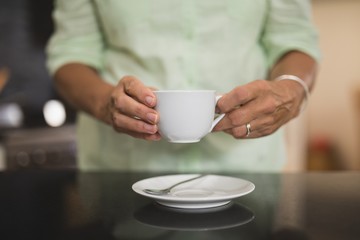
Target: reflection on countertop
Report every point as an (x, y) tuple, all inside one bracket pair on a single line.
[(224, 217), (44, 147)]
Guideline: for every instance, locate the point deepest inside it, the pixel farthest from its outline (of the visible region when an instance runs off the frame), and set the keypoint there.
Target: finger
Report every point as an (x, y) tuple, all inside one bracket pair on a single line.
[(148, 137), (242, 131), (241, 95), (253, 109), (235, 118), (136, 89), (125, 124), (153, 88), (260, 127), (152, 137), (130, 107)]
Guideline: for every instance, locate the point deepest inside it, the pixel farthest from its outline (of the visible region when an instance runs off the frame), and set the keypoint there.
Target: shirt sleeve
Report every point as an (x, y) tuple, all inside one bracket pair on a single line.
[(77, 36), (289, 27)]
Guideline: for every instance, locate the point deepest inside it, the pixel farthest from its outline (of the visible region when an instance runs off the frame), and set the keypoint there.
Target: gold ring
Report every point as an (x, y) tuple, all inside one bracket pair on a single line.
[(248, 129)]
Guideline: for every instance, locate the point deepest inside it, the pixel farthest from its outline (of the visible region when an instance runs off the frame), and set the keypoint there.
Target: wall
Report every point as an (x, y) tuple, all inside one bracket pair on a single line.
[(332, 110)]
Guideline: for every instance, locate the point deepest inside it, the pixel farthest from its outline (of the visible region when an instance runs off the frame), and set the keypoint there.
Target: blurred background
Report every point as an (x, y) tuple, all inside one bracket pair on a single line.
[(37, 126)]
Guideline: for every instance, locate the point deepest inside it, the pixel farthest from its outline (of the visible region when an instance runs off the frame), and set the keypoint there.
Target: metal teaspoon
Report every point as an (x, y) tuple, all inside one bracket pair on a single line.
[(167, 190)]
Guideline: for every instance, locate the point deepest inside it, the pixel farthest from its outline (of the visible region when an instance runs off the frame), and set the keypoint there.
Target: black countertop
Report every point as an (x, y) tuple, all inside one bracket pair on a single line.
[(101, 205)]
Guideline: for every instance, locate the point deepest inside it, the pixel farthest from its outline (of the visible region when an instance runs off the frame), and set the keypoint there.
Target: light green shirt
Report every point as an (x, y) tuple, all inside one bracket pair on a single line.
[(179, 44)]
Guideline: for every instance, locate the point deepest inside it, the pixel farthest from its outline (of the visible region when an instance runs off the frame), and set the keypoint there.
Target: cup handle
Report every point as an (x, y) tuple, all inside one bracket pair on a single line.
[(218, 118)]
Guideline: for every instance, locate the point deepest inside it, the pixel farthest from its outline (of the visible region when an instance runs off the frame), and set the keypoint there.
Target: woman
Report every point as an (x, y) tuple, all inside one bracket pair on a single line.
[(106, 57)]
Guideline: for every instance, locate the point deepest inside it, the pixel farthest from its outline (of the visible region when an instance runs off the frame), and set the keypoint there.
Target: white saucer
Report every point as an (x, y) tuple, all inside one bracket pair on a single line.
[(206, 192)]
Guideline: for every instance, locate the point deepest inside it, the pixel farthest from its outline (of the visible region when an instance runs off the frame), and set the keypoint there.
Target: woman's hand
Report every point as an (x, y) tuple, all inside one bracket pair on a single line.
[(265, 105), (261, 107), (130, 109), (128, 106)]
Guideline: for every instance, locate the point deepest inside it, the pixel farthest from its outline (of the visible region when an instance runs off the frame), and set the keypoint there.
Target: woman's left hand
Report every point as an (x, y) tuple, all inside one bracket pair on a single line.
[(259, 108)]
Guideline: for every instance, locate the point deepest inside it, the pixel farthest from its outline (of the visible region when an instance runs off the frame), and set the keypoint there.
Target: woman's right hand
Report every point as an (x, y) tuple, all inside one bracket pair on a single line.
[(131, 109), (128, 106)]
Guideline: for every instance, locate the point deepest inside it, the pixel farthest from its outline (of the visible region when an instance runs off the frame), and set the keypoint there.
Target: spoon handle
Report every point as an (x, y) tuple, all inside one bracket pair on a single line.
[(167, 190), (185, 181)]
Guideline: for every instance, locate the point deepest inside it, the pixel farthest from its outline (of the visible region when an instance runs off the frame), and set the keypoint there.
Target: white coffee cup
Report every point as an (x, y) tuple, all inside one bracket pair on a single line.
[(186, 116)]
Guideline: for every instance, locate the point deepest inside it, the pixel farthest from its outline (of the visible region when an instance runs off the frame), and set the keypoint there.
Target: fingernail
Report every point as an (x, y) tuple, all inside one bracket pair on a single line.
[(150, 128), (149, 100), (151, 117), (155, 137), (217, 110)]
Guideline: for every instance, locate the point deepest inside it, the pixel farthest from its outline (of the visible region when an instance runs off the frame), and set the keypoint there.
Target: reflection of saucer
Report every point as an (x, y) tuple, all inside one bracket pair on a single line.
[(229, 216)]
